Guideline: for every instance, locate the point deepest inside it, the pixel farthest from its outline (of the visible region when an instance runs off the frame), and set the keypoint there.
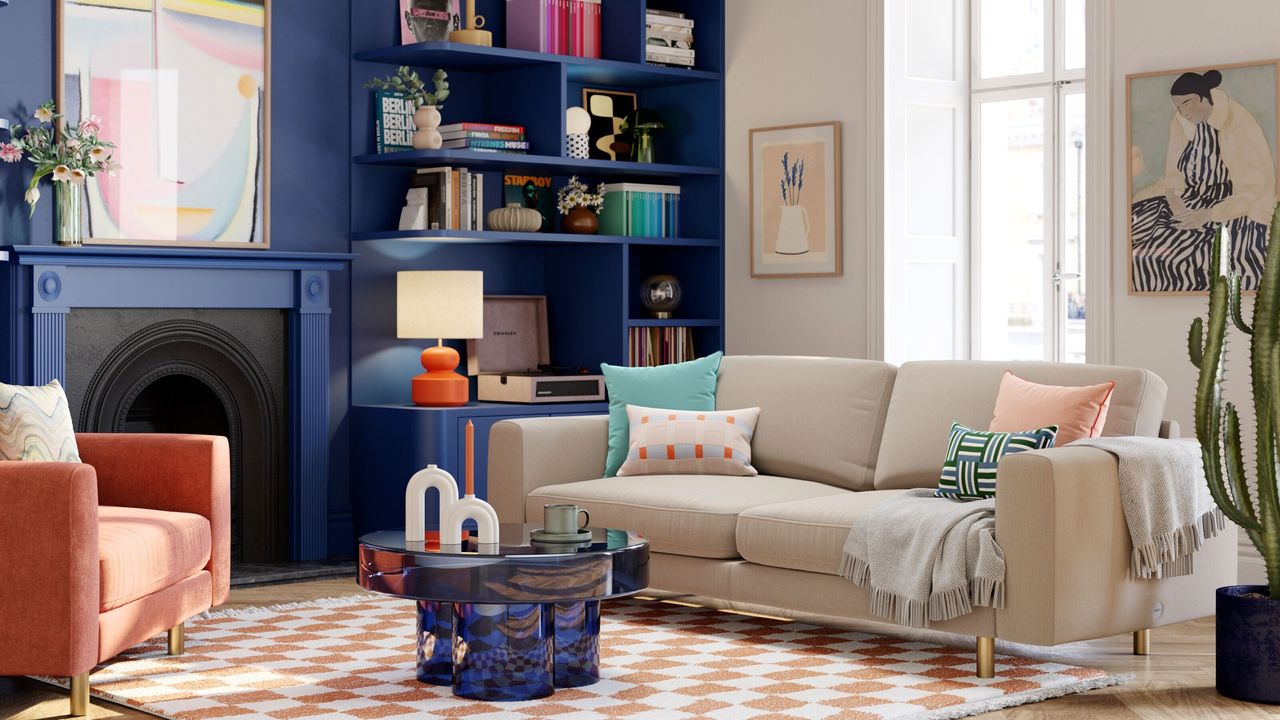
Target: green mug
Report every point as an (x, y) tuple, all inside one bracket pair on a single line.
[(562, 518)]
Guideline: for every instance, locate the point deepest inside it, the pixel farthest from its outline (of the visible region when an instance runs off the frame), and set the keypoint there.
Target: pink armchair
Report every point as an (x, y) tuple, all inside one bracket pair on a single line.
[(99, 556)]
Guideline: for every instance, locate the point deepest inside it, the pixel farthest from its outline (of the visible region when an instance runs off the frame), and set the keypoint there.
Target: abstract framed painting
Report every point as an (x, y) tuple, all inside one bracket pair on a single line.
[(795, 201), (1202, 157), (607, 109), (184, 85)]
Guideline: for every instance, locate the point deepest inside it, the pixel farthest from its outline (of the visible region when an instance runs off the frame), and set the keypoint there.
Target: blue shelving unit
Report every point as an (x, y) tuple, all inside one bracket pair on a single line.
[(591, 282)]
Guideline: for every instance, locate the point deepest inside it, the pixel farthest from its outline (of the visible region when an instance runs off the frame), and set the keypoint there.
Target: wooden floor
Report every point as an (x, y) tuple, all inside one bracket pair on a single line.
[(1175, 682)]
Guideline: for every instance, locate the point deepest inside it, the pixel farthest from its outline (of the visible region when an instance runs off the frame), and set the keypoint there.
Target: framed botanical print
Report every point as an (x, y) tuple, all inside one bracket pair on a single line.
[(184, 86), (1202, 158), (795, 201), (607, 109)]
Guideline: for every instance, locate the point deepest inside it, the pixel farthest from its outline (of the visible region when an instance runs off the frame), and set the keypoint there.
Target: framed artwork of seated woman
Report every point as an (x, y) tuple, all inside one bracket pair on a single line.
[(1202, 157)]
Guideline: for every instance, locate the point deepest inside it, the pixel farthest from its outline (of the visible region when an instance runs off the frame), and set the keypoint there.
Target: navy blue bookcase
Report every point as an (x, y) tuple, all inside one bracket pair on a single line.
[(591, 282)]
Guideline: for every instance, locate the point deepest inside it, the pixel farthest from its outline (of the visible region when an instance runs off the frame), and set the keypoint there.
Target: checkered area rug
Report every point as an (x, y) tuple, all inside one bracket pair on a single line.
[(353, 658)]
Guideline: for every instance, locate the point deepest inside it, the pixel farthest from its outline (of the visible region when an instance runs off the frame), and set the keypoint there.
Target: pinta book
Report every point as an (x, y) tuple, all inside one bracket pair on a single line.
[(531, 191), (484, 137)]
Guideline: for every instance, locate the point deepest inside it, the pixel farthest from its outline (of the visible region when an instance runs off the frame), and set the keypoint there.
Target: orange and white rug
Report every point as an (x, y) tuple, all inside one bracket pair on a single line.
[(352, 658)]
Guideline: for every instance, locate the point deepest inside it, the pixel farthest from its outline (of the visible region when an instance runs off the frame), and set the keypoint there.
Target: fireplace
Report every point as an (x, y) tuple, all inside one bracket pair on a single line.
[(215, 372)]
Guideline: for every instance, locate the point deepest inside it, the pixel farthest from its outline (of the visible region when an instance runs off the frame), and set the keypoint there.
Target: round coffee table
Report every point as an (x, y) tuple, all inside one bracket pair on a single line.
[(509, 621)]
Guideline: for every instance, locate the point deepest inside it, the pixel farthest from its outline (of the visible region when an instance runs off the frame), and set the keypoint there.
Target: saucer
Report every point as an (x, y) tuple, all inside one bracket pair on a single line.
[(543, 536)]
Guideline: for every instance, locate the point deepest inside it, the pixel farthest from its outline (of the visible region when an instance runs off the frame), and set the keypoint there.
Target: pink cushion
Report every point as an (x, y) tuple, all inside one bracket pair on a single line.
[(1079, 412), (145, 551)]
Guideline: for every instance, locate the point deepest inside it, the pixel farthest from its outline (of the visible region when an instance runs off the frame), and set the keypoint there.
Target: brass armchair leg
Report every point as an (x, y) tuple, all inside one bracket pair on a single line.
[(986, 657), (1142, 642), (177, 640), (80, 694)]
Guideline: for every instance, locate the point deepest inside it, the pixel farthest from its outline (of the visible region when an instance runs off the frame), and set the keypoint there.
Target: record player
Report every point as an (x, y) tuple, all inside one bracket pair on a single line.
[(512, 361)]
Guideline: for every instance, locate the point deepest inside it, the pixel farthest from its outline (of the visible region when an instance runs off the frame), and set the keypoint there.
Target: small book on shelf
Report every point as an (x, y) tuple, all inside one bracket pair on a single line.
[(560, 27), (392, 121), (455, 198), (652, 346)]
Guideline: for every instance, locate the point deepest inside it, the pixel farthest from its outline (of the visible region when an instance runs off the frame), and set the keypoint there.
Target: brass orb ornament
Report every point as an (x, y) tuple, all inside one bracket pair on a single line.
[(661, 295)]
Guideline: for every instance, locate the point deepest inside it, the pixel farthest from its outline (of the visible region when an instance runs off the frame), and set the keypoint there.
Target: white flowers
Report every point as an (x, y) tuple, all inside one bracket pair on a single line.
[(32, 196), (44, 114), (576, 194), (99, 154), (77, 176), (62, 173)]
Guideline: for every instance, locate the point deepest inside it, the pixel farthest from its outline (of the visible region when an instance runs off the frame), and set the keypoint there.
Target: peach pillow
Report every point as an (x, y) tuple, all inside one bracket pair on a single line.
[(1079, 412)]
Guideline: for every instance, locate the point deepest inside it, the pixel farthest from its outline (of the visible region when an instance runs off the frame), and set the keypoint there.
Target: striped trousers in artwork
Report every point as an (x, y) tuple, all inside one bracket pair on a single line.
[(1167, 258)]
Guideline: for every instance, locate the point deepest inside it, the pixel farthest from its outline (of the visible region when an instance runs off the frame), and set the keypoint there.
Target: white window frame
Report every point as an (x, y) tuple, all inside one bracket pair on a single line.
[(976, 81)]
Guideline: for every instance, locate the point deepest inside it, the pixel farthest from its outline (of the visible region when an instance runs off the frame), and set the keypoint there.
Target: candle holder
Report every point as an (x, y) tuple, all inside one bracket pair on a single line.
[(472, 33), (454, 511)]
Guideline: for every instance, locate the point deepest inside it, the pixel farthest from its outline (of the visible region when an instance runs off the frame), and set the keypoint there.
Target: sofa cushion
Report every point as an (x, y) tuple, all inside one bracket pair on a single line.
[(144, 551), (804, 534), (689, 442), (35, 424), (693, 515), (820, 418), (929, 396)]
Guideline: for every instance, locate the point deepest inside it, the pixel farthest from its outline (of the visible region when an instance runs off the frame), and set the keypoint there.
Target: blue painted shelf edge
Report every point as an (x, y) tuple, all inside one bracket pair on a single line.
[(477, 408), (471, 158), (158, 255), (674, 322), (495, 237)]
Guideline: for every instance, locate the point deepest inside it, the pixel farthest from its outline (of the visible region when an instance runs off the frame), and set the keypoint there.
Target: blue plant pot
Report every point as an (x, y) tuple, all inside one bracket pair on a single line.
[(1248, 644)]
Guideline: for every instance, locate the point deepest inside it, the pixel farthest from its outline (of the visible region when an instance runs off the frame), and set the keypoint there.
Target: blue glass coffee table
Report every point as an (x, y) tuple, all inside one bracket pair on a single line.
[(509, 621)]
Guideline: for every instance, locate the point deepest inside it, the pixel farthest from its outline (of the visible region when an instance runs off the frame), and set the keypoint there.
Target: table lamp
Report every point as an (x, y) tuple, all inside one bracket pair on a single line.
[(440, 304)]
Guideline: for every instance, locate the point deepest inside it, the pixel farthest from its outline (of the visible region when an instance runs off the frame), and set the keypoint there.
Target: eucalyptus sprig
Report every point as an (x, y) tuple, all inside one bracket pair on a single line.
[(407, 81)]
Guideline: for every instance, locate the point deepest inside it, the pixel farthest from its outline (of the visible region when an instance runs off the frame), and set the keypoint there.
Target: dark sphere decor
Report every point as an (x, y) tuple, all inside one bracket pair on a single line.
[(661, 295)]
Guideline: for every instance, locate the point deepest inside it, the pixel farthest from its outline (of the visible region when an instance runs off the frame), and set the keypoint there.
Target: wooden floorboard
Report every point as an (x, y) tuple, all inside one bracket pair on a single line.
[(1175, 682)]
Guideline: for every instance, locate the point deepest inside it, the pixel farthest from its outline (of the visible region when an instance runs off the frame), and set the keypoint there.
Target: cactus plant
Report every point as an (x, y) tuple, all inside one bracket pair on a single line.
[(1218, 421)]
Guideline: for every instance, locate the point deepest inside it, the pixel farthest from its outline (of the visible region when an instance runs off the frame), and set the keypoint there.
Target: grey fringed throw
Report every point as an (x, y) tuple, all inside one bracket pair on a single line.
[(1166, 502), (926, 559)]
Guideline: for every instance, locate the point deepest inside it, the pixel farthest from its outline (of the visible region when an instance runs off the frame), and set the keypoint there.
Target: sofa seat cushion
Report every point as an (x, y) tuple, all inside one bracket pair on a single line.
[(694, 515), (806, 534), (144, 551)]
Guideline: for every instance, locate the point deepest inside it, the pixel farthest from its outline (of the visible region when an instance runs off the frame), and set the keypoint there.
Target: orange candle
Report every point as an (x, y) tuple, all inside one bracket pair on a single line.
[(471, 458)]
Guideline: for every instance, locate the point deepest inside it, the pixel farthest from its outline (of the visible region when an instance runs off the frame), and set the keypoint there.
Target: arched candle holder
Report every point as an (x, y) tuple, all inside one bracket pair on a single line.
[(454, 510)]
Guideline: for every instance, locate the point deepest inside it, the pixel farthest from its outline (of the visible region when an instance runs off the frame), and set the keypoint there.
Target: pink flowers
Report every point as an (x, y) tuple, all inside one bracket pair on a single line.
[(91, 126), (10, 153)]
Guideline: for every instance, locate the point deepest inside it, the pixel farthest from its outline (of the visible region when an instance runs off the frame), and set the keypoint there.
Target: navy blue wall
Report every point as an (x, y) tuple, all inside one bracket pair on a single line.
[(310, 160)]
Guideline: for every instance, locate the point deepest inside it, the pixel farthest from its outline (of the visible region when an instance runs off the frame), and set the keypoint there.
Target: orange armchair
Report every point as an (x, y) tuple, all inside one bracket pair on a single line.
[(99, 556)]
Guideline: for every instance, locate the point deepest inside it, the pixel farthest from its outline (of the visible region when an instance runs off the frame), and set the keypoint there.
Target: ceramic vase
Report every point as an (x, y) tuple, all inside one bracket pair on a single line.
[(67, 199), (427, 120), (514, 218), (793, 231), (580, 221)]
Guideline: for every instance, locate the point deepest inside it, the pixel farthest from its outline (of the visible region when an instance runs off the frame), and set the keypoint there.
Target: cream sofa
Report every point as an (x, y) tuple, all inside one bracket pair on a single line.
[(836, 437)]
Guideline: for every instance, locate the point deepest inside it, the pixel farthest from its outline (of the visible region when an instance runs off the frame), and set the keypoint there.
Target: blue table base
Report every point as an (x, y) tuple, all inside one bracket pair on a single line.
[(508, 652)]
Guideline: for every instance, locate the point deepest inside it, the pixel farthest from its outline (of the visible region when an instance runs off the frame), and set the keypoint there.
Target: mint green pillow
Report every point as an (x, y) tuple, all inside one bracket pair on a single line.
[(683, 386)]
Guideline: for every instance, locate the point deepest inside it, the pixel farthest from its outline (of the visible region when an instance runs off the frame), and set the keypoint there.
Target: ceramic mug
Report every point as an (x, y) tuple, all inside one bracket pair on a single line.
[(562, 518)]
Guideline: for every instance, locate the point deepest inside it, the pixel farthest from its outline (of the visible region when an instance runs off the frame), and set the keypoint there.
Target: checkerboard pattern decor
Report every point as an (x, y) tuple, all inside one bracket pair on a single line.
[(354, 658), (682, 442)]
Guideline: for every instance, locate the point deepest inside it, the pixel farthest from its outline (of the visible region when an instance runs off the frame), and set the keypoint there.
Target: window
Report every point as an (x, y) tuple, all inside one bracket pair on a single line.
[(1027, 196)]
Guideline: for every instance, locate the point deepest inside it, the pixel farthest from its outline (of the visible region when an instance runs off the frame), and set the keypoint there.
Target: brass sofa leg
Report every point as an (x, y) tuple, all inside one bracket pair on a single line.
[(1142, 642), (986, 657), (80, 694), (177, 640)]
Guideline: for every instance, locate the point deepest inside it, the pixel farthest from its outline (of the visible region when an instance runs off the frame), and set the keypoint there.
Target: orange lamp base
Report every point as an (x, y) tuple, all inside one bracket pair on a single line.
[(440, 386)]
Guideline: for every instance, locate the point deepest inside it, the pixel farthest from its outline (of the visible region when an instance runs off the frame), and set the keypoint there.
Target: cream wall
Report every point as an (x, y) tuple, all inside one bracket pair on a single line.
[(1151, 331), (794, 63)]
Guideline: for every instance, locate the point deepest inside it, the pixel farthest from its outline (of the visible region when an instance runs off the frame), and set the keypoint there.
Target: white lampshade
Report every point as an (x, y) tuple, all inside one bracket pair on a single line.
[(576, 121), (446, 304)]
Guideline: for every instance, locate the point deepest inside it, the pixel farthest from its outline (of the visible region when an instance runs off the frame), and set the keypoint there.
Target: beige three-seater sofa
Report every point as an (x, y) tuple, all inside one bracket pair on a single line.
[(836, 437)]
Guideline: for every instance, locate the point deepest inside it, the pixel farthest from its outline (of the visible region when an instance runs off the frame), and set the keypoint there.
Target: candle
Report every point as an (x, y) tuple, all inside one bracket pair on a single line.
[(471, 459)]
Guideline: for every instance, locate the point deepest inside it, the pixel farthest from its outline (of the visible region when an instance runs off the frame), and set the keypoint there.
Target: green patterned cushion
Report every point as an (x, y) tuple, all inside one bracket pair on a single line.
[(969, 472), (35, 424)]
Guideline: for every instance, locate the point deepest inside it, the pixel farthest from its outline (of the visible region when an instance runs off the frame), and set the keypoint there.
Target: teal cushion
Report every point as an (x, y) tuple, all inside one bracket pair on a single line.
[(969, 470), (683, 386)]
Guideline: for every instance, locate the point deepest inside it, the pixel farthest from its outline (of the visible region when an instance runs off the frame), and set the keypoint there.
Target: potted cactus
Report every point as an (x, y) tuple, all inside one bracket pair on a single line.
[(1248, 616)]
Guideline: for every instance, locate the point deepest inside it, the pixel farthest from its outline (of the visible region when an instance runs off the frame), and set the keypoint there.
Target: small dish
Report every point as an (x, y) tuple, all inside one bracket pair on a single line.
[(541, 535)]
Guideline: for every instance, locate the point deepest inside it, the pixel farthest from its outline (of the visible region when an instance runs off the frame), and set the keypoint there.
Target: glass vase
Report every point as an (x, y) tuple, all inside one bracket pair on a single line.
[(67, 197), (642, 150)]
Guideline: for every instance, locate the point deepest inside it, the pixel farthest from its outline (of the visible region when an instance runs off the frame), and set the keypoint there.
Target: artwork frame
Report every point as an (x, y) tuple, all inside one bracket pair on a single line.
[(1167, 255), (255, 194), (773, 224), (599, 130)]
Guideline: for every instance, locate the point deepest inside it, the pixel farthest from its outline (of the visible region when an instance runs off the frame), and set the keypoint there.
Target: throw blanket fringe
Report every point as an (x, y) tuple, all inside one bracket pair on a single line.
[(1169, 554), (942, 605)]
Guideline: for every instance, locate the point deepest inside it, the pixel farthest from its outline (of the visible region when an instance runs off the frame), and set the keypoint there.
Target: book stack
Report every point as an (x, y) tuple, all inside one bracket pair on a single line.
[(454, 200), (668, 38), (560, 27), (650, 346), (484, 137), (641, 210)]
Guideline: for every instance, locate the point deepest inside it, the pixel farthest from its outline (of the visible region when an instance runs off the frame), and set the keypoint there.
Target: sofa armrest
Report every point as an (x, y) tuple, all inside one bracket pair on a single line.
[(178, 473), (529, 453), (49, 594), (1061, 524)]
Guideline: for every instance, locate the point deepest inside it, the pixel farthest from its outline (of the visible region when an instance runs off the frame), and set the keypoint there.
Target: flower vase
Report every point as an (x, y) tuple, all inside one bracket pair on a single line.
[(793, 231), (580, 221), (67, 199), (427, 120), (642, 150)]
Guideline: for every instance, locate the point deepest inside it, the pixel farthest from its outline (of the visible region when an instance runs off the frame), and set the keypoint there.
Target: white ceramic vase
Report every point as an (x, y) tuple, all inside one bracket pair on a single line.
[(793, 231), (427, 120)]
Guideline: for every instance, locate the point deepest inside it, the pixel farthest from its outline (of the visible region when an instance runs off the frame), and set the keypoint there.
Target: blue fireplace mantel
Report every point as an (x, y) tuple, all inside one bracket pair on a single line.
[(46, 282)]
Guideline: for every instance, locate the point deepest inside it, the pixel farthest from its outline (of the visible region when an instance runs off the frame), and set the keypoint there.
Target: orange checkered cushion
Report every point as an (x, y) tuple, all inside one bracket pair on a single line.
[(690, 442)]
